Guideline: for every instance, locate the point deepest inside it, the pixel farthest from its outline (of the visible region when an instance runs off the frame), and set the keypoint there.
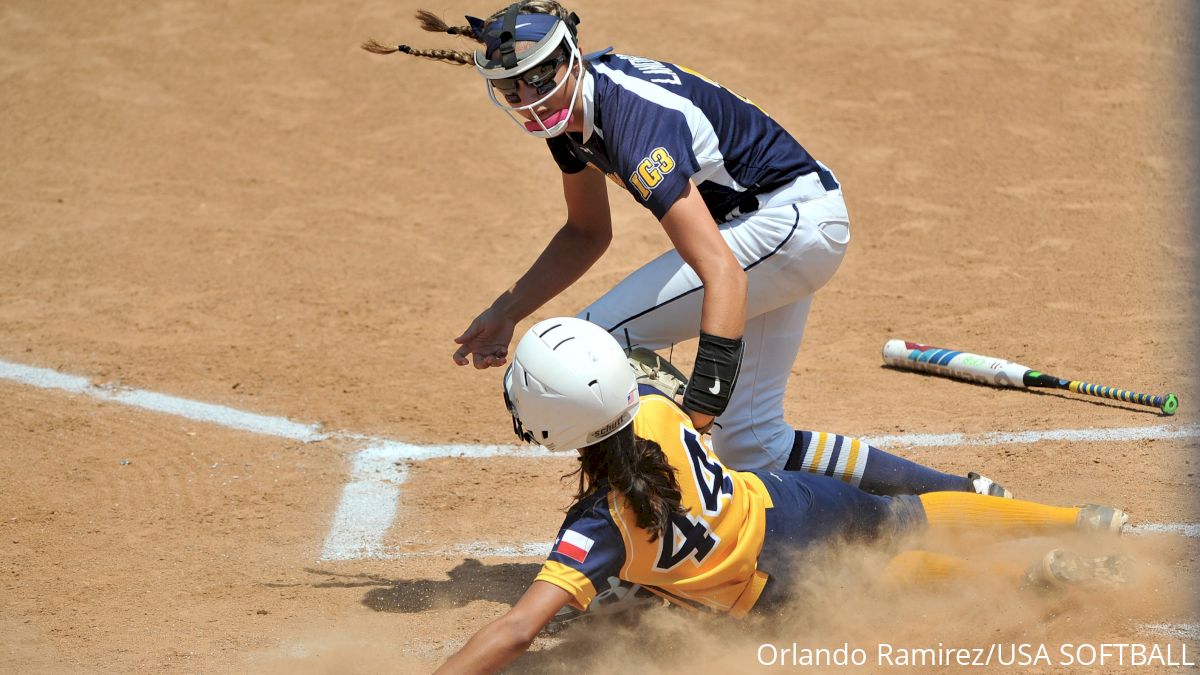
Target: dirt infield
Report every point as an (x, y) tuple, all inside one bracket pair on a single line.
[(231, 203)]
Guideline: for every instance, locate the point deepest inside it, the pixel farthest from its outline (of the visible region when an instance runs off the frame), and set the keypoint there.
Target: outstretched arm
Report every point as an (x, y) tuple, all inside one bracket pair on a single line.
[(502, 641), (573, 250)]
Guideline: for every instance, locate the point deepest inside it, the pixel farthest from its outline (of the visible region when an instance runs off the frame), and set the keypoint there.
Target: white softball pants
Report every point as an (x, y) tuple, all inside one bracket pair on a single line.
[(788, 251)]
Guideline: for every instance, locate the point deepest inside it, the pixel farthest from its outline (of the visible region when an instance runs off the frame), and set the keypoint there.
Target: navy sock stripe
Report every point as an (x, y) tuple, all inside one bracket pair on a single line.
[(833, 456), (799, 450)]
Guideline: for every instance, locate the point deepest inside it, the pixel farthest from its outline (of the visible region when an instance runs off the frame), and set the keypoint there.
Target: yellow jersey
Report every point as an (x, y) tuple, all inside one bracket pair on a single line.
[(709, 558)]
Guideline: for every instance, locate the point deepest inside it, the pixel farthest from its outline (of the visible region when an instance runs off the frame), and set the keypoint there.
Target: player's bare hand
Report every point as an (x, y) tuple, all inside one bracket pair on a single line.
[(702, 422), (485, 340)]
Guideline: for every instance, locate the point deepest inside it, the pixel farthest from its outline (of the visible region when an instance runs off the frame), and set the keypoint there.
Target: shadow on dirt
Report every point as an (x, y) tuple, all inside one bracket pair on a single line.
[(556, 651), (469, 581)]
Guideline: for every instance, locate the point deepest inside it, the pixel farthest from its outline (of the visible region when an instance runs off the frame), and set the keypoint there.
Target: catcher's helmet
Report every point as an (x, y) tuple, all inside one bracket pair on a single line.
[(569, 385), (502, 64)]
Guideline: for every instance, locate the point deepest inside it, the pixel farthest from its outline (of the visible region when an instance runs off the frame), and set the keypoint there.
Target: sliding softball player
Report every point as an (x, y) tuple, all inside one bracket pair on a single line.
[(656, 506)]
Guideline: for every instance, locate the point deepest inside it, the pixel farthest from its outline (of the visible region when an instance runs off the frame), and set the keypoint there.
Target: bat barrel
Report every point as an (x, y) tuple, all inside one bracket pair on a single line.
[(954, 363)]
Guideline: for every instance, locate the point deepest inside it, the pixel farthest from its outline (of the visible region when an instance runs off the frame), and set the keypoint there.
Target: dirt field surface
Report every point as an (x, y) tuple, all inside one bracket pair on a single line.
[(230, 203)]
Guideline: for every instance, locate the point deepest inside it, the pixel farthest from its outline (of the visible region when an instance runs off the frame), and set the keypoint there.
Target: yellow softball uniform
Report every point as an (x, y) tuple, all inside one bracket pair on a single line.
[(709, 559)]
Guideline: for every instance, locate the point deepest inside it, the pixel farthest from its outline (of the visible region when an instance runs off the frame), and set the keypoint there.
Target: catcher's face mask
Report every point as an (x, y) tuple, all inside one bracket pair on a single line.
[(537, 66), (539, 77)]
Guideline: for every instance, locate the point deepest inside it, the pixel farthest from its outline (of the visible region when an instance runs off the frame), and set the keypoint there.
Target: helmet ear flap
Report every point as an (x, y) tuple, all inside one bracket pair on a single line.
[(518, 428), (525, 435)]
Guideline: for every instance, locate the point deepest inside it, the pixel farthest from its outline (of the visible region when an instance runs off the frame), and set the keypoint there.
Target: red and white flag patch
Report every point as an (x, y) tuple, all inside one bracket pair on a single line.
[(574, 546)]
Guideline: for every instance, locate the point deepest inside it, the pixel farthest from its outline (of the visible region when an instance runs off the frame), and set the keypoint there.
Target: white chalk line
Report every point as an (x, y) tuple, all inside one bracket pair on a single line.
[(368, 503), (370, 499), (1159, 432), (476, 550), (1177, 631), (44, 378), (1190, 530)]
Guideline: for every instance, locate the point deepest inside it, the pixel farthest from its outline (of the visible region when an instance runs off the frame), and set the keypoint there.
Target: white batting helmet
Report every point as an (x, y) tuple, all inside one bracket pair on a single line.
[(569, 385)]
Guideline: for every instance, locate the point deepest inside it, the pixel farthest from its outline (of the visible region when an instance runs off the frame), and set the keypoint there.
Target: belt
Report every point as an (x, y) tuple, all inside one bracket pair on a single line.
[(801, 189), (827, 180)]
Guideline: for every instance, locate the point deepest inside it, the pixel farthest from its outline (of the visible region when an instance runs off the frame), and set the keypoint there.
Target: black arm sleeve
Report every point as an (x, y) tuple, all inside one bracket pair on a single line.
[(718, 360), (560, 149)]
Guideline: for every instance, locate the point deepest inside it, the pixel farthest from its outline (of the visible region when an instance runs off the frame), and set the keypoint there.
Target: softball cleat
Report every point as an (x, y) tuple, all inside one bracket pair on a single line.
[(1102, 519), (982, 485), (1060, 569)]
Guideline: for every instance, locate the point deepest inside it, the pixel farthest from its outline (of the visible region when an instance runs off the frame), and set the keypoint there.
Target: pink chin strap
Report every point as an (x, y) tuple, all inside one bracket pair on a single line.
[(550, 121)]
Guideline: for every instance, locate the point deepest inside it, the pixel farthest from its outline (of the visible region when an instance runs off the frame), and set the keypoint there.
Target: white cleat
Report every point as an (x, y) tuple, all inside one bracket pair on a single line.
[(1061, 568), (986, 486), (1102, 519)]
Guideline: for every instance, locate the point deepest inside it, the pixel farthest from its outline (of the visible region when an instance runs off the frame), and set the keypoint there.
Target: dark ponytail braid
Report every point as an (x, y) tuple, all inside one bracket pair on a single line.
[(454, 56), (433, 23), (637, 469)]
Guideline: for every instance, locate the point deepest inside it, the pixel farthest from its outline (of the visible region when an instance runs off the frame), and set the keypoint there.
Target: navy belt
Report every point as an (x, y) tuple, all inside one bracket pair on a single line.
[(827, 180), (749, 201)]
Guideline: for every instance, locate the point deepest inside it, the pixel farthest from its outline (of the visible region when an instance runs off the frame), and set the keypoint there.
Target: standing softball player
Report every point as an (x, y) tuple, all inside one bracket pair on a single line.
[(758, 226), (656, 507)]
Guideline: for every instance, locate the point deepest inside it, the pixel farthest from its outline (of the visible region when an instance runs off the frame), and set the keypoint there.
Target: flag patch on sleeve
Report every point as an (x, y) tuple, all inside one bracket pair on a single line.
[(574, 546)]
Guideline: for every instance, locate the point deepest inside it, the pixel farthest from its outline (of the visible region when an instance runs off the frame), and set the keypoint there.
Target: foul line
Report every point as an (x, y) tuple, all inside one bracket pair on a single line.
[(1159, 432), (44, 378), (1191, 530), (368, 505)]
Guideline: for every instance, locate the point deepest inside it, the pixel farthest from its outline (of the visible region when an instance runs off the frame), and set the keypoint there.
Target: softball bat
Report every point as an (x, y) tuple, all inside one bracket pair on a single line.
[(1002, 373)]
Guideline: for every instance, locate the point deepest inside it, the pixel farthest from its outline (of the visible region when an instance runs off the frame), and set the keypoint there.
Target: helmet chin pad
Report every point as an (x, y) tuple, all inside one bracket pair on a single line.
[(553, 120)]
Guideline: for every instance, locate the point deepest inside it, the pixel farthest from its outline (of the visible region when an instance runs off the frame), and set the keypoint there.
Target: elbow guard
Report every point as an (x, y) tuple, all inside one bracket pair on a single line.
[(718, 360)]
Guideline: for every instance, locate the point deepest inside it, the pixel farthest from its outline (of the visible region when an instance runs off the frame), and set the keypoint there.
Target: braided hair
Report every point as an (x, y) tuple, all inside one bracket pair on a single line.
[(434, 24)]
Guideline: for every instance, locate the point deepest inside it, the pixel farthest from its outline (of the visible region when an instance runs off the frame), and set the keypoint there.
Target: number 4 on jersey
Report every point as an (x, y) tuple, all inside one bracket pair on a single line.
[(689, 538)]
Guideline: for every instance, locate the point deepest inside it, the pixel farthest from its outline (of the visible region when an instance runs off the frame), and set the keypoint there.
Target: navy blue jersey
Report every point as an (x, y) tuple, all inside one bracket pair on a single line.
[(652, 126)]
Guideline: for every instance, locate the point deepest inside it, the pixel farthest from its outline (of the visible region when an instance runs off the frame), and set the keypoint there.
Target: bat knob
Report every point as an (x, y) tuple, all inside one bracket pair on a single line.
[(1170, 404)]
